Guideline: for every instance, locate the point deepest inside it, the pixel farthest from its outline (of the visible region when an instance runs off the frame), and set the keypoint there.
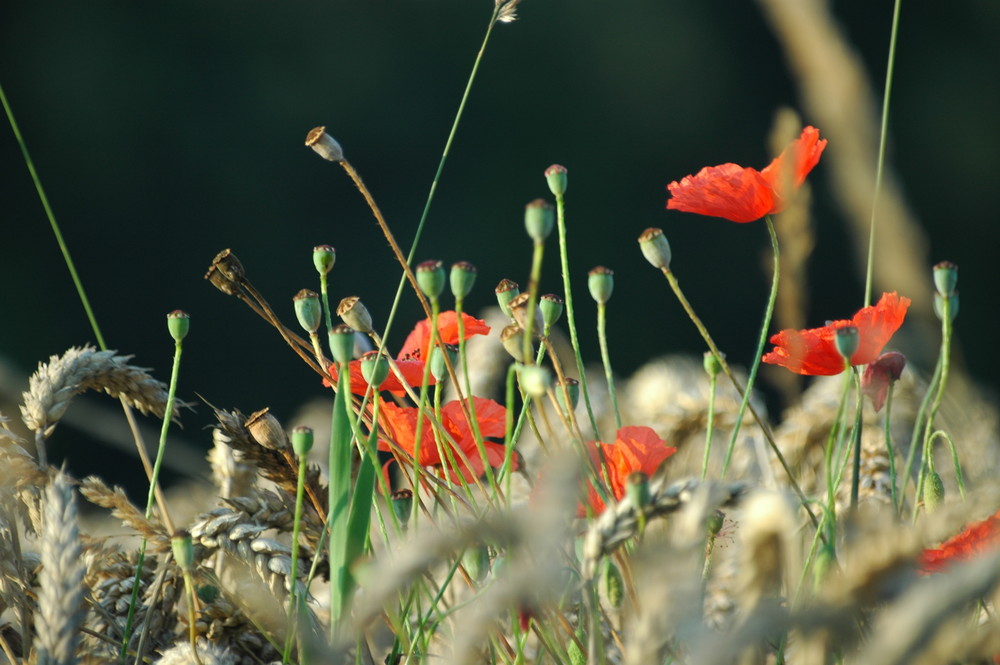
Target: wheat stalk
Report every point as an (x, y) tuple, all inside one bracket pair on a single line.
[(60, 595)]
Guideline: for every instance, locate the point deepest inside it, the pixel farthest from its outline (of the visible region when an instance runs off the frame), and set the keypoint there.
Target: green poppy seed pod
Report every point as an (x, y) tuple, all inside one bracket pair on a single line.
[(226, 272), (846, 340), (945, 278), (715, 522), (374, 368), (402, 506), (952, 305), (512, 338), (539, 218), (355, 314), (308, 310), (535, 379), (324, 144), (613, 583), (476, 561), (555, 175), (506, 291), (462, 278), (655, 248), (341, 340), (178, 324), (637, 489), (551, 307), (439, 368), (302, 440), (183, 549), (265, 429), (324, 256), (712, 364), (933, 491), (601, 282), (572, 386), (431, 278)]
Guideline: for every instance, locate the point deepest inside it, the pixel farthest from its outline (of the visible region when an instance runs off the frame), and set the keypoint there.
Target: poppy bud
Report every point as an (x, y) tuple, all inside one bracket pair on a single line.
[(939, 301), (302, 440), (945, 278), (324, 144), (265, 429), (572, 386), (476, 561), (712, 364), (183, 549), (512, 338), (462, 277), (601, 282), (178, 324), (324, 257), (655, 248), (308, 310), (439, 368), (637, 489), (402, 505), (555, 175), (539, 218), (341, 340), (880, 374), (846, 340), (506, 291), (374, 368), (551, 307), (355, 314), (715, 522), (933, 491), (430, 278), (614, 585), (535, 379)]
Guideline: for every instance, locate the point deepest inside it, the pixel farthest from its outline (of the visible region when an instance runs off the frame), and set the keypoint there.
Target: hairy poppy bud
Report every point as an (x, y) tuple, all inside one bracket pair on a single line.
[(712, 364), (933, 491)]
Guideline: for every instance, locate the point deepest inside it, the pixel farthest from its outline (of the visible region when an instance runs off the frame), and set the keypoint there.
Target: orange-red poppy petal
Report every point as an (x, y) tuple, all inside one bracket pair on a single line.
[(801, 156), (814, 352), (418, 341), (976, 538), (729, 191)]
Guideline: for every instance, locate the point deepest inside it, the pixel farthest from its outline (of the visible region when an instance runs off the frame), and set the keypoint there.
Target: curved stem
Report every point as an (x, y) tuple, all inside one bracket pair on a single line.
[(602, 336)]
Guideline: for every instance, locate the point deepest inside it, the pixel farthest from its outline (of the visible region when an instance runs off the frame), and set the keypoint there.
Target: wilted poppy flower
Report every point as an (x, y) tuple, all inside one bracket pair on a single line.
[(400, 425), (880, 374), (814, 351), (975, 539), (742, 194), (635, 448), (411, 358)]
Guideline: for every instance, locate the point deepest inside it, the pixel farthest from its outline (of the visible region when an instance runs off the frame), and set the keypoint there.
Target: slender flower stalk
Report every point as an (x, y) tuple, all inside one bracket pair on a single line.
[(302, 442), (856, 441), (712, 368), (601, 284), (883, 140)]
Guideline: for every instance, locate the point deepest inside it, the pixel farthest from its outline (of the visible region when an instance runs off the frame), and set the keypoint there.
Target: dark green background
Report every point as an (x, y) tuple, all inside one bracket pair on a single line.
[(165, 132)]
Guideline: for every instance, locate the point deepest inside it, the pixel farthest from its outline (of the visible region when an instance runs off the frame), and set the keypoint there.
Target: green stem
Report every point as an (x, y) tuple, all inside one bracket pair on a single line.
[(762, 340), (944, 360), (293, 577), (537, 255), (883, 138), (602, 337), (856, 441), (890, 451), (52, 222), (570, 315), (710, 426)]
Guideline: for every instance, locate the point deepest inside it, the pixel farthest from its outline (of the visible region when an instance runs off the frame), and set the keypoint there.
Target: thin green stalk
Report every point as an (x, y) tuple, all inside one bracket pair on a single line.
[(883, 139), (293, 613), (474, 416), (602, 336), (570, 316), (339, 471), (710, 426), (856, 441), (890, 451), (421, 404), (919, 420), (762, 340), (537, 254), (944, 364), (833, 442)]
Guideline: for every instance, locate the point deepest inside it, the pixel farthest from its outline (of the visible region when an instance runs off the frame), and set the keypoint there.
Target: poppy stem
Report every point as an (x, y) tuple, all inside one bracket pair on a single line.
[(856, 442), (602, 337), (890, 451), (713, 383), (883, 138)]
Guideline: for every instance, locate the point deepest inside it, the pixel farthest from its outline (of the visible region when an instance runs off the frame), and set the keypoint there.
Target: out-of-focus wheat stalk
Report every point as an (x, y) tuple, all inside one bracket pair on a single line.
[(60, 595)]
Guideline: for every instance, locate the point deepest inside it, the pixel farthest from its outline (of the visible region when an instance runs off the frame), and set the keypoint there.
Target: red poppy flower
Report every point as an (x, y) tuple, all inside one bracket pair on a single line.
[(879, 375), (742, 194), (415, 349), (814, 351), (635, 449), (975, 539), (417, 344), (400, 425)]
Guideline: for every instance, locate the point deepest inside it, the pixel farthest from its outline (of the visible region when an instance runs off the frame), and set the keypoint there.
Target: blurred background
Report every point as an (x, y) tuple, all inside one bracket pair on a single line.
[(165, 132)]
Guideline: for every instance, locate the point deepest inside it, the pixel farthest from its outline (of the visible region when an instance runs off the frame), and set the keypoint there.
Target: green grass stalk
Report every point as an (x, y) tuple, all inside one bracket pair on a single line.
[(293, 595), (890, 451)]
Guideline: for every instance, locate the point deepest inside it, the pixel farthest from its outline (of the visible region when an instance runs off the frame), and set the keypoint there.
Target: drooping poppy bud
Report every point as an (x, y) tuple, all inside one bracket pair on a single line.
[(880, 374)]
